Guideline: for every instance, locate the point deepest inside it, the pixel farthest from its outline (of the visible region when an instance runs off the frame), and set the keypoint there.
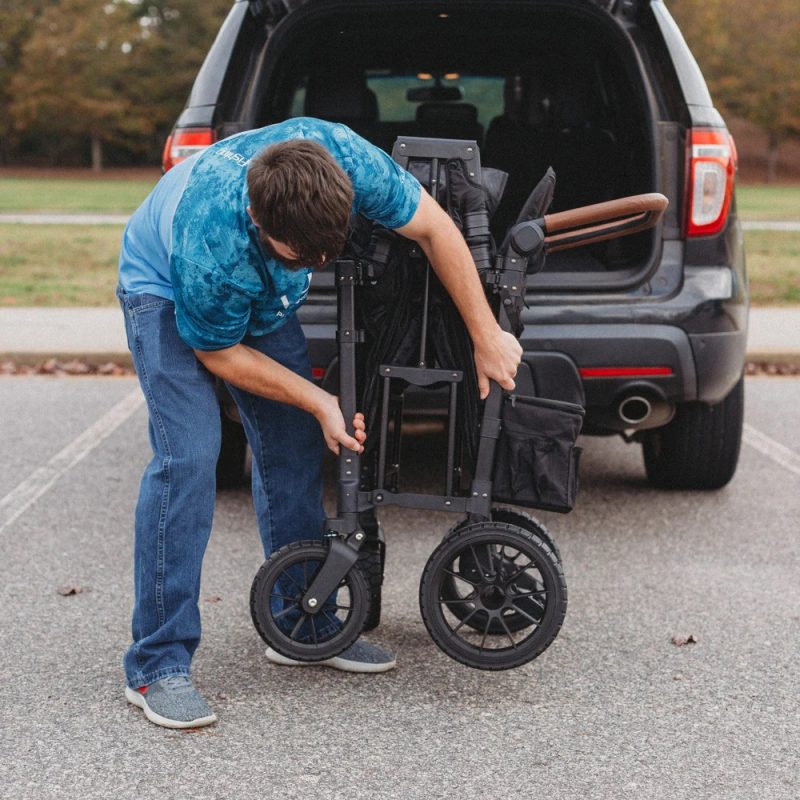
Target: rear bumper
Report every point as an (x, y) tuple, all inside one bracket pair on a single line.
[(699, 335)]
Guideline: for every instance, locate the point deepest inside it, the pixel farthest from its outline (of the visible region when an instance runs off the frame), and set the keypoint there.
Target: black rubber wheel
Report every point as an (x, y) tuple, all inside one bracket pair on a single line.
[(275, 607), (699, 448), (515, 622), (512, 516), (371, 561), (232, 454), (492, 595)]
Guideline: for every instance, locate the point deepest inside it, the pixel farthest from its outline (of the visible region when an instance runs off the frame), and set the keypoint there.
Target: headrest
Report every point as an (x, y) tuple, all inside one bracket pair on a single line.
[(462, 113), (340, 96)]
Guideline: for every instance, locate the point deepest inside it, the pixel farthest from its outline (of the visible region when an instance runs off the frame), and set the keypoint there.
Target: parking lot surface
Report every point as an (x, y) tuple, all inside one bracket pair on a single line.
[(613, 709)]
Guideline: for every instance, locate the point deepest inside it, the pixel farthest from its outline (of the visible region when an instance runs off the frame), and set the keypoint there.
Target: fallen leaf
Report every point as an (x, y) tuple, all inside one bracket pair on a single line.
[(680, 639), (76, 367), (69, 589), (213, 598), (49, 367)]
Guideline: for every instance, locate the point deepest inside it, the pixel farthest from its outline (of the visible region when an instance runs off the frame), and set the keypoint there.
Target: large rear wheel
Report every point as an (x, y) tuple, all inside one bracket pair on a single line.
[(509, 590), (699, 448)]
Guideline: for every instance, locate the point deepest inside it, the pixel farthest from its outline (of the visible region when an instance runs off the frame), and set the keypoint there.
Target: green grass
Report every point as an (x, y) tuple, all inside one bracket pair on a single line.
[(73, 195), (763, 202), (58, 265), (773, 265), (76, 265), (121, 196)]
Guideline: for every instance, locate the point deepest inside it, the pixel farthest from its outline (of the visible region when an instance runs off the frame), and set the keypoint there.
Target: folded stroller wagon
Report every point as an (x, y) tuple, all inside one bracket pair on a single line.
[(492, 594)]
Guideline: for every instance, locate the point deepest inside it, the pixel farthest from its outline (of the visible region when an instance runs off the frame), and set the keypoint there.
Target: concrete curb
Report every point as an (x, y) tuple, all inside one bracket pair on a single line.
[(123, 358), (96, 336), (36, 358)]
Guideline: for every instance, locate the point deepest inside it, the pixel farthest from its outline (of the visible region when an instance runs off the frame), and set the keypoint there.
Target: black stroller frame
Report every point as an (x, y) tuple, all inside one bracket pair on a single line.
[(493, 594)]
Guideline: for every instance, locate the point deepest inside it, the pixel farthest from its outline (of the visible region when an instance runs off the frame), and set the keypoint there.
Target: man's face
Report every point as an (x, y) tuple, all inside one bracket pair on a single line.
[(283, 252)]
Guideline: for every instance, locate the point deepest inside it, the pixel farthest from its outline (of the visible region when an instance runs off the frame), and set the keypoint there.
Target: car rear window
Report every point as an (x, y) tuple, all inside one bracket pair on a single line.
[(485, 92)]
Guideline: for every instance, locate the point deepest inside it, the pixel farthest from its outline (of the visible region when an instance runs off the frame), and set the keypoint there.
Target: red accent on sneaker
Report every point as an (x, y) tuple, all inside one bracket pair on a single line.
[(142, 689)]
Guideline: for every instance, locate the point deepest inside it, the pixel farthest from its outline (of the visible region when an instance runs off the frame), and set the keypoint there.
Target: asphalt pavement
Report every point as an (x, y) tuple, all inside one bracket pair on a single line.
[(613, 709)]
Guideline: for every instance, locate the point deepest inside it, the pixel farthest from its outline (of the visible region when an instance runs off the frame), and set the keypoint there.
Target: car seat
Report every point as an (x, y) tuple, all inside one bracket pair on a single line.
[(449, 121), (342, 96)]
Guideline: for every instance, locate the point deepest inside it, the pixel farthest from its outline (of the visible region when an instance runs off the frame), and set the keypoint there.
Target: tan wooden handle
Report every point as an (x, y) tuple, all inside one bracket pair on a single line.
[(596, 223)]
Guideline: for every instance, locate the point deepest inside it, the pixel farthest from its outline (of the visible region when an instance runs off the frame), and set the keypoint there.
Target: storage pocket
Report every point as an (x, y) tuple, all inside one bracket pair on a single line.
[(536, 463)]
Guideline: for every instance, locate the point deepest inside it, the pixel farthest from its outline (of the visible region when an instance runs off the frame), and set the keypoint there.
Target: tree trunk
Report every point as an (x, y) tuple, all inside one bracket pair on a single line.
[(97, 154), (772, 157)]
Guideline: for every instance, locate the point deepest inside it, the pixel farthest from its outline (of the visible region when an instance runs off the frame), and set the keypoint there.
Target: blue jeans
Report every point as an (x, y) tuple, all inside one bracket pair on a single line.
[(177, 494)]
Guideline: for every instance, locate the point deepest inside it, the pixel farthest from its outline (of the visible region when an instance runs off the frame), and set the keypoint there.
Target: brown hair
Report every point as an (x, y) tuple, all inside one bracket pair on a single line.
[(301, 197)]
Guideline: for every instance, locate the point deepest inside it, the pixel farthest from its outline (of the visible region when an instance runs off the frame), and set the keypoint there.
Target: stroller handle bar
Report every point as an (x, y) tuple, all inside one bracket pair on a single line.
[(597, 223)]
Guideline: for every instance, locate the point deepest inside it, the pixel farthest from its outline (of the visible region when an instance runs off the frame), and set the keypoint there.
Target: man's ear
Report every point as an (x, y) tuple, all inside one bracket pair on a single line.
[(252, 218)]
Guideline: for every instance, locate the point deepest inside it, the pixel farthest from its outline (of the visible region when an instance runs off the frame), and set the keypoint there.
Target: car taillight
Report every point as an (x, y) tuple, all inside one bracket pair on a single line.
[(711, 168), (184, 142)]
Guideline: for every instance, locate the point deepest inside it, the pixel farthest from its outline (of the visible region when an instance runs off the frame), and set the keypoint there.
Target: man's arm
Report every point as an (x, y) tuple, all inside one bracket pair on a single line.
[(256, 373), (497, 352)]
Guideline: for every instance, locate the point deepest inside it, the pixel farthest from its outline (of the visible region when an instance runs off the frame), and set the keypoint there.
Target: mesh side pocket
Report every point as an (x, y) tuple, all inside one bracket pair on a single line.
[(536, 462)]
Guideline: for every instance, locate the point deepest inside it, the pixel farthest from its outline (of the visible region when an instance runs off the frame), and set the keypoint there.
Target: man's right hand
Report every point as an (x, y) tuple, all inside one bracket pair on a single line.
[(254, 372)]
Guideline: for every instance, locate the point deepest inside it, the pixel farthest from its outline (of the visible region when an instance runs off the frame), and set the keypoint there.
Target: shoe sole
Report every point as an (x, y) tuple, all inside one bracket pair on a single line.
[(341, 664), (137, 699)]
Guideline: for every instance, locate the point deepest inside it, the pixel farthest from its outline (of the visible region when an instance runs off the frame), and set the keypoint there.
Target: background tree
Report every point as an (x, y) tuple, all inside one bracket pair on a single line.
[(176, 36), (750, 55), (116, 72), (17, 19), (72, 75)]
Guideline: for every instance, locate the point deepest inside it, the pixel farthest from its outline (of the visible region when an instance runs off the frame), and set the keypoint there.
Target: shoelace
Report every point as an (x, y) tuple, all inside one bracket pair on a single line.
[(177, 682)]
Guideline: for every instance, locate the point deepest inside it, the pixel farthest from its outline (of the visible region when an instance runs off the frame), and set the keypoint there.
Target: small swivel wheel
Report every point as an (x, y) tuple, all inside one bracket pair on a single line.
[(278, 614), (493, 595)]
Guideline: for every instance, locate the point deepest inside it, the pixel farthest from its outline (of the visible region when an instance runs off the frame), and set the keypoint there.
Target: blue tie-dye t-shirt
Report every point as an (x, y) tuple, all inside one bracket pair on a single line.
[(192, 240)]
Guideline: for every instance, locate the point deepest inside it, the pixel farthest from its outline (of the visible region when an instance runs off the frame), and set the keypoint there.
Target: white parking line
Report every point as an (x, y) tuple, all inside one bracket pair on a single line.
[(18, 500), (779, 453)]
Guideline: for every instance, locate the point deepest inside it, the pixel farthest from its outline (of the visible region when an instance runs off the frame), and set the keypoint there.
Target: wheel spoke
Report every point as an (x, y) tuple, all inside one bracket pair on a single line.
[(333, 620), (477, 560), (469, 599), (508, 632), (301, 589), (490, 554), (486, 630), (519, 572), (297, 626), (314, 630), (460, 577), (518, 610), (286, 611), (528, 594), (463, 621), (343, 608), (283, 597)]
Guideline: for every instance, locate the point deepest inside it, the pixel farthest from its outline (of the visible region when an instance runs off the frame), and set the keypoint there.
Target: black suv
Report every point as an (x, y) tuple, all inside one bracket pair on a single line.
[(604, 91)]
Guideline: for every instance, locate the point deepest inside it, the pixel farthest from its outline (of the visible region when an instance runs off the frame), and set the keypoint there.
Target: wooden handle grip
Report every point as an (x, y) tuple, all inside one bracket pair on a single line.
[(654, 204)]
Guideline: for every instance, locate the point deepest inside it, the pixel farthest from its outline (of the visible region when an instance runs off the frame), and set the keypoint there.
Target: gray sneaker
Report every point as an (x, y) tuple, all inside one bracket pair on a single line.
[(359, 657), (172, 702)]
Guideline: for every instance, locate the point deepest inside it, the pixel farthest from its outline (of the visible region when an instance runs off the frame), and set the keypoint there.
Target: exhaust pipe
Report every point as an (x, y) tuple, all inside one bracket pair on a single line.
[(634, 409)]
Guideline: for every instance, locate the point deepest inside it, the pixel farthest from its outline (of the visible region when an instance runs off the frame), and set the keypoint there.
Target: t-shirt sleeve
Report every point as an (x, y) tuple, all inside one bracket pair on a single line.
[(384, 191), (211, 312)]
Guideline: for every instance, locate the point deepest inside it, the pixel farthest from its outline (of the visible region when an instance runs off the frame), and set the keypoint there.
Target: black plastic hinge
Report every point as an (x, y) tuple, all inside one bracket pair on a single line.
[(356, 336)]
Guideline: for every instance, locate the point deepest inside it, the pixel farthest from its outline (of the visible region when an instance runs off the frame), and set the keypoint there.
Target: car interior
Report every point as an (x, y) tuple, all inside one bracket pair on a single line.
[(556, 94)]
